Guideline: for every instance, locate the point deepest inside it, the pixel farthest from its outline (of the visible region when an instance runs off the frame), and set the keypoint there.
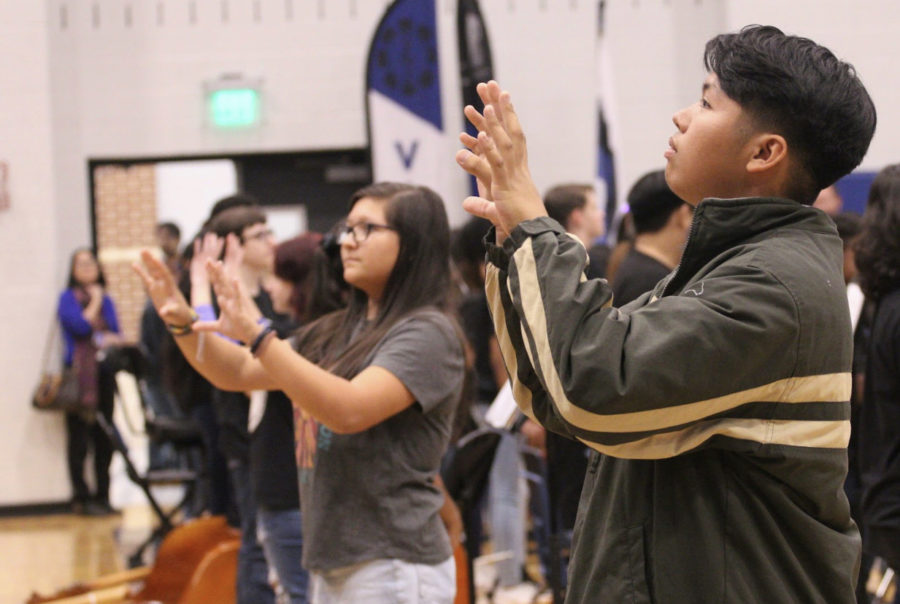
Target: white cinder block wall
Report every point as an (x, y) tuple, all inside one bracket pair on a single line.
[(88, 79), (31, 445)]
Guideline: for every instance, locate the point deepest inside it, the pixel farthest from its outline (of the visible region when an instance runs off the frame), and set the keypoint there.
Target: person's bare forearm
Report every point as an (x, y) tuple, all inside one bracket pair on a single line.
[(344, 406), (224, 364)]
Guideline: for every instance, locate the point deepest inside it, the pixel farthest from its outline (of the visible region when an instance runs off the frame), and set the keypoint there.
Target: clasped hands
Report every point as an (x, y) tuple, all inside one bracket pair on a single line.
[(238, 315), (498, 159)]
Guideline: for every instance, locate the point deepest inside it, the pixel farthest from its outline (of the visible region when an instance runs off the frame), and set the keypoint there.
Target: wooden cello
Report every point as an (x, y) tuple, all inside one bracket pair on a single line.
[(196, 563)]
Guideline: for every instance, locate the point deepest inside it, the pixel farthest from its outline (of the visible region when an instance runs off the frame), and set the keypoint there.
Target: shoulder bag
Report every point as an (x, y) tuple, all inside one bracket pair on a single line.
[(57, 390)]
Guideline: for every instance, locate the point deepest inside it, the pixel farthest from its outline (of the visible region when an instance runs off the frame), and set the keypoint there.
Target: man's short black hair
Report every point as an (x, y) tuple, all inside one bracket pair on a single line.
[(171, 228), (800, 90), (562, 200), (235, 220), (236, 200), (651, 202)]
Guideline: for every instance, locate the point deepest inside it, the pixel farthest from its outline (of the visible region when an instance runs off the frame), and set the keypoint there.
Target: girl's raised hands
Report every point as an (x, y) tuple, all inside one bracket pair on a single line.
[(238, 315), (163, 291)]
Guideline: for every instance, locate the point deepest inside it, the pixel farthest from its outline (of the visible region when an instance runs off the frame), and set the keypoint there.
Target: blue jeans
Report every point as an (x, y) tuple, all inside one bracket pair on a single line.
[(280, 534), (253, 571), (387, 581), (506, 508)]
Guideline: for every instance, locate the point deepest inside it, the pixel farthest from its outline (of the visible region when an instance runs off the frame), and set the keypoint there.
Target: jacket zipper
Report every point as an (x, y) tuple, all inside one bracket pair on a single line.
[(684, 255)]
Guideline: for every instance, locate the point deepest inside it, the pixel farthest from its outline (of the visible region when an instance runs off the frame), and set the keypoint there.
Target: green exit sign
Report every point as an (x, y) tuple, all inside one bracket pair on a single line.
[(234, 107)]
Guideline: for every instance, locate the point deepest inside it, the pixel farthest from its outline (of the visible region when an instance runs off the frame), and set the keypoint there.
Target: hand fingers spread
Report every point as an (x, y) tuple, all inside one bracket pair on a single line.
[(233, 249), (474, 117), (489, 92), (482, 90), (156, 269), (150, 263), (492, 155), (493, 94), (139, 269), (494, 90), (482, 208), (513, 127), (214, 268), (237, 290), (217, 278), (495, 128), (474, 165), (469, 141), (211, 246)]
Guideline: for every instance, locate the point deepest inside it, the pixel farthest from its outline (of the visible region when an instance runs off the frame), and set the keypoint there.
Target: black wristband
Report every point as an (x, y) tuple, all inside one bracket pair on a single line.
[(260, 338)]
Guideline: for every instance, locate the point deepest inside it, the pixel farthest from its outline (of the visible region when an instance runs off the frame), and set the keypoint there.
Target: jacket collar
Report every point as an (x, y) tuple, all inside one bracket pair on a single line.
[(721, 224)]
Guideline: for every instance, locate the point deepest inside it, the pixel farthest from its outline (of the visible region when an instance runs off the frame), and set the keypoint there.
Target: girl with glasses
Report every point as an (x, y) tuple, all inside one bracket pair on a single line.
[(375, 387)]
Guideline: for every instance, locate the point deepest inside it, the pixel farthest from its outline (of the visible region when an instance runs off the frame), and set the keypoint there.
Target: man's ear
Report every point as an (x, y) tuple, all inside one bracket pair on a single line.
[(575, 220), (769, 151)]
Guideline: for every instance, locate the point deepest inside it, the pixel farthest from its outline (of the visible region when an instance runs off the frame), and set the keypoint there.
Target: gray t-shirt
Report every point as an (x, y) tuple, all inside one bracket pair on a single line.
[(372, 495)]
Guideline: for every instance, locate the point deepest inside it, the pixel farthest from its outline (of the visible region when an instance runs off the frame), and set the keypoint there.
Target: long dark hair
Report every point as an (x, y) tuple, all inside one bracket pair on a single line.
[(420, 279), (878, 245), (71, 283)]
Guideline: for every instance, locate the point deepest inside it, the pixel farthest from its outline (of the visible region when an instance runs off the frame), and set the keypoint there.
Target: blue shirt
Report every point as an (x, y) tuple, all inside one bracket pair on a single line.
[(75, 327)]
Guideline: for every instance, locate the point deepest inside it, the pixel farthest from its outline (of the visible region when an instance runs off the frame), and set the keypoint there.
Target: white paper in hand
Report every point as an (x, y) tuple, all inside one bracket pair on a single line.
[(503, 411)]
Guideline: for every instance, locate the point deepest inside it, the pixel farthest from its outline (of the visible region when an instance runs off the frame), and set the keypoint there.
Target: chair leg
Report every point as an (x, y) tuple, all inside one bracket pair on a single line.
[(119, 446)]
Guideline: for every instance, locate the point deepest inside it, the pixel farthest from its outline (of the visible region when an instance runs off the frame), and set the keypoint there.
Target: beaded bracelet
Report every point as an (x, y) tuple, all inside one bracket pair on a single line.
[(183, 330)]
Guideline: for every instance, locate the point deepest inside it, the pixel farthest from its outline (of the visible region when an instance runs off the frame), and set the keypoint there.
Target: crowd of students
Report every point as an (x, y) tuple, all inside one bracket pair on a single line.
[(697, 381)]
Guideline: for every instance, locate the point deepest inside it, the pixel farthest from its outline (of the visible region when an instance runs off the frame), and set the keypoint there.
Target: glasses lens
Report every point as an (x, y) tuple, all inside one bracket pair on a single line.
[(360, 231), (264, 234)]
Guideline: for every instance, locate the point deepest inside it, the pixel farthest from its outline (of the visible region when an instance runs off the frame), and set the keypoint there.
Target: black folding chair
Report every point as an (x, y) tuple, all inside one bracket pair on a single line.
[(184, 434), (465, 475)]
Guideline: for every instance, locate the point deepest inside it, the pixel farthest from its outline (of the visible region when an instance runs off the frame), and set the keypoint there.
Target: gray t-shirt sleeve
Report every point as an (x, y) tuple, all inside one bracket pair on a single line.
[(425, 354)]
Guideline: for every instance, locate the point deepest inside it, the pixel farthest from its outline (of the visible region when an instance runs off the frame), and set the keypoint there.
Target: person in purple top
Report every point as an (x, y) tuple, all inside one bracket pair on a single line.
[(89, 324)]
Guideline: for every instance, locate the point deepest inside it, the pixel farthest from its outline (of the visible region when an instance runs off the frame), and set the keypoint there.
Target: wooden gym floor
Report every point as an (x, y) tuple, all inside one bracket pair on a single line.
[(47, 553)]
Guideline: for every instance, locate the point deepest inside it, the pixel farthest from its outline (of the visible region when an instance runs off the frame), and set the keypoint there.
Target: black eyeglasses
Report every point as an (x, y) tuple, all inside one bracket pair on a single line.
[(261, 235), (360, 231)]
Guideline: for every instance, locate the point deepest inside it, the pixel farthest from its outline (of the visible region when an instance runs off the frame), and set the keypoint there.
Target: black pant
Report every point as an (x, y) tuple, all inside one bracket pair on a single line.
[(81, 434)]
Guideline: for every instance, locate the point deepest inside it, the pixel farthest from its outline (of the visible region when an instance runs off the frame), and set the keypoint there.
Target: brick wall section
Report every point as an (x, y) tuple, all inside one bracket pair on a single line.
[(125, 214)]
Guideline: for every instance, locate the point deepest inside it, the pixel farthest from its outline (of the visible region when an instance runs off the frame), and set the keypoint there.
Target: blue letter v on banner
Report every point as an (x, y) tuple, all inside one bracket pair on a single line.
[(407, 157)]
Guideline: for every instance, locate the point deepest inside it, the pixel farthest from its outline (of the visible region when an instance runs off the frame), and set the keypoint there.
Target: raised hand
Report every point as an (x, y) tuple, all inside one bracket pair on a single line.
[(498, 158), (237, 313), (234, 255), (163, 291), (209, 247)]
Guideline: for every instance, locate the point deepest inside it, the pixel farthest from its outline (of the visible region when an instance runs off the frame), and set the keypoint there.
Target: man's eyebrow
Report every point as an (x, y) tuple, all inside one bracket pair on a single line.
[(710, 84)]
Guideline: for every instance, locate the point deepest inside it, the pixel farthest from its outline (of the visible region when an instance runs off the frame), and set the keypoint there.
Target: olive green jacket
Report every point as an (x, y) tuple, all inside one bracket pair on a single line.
[(720, 403)]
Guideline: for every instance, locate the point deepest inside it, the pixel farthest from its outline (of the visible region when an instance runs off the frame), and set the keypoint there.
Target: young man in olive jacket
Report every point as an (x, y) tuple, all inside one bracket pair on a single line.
[(719, 399)]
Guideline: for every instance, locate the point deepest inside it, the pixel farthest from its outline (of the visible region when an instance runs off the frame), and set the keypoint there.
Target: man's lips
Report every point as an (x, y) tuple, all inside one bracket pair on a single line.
[(670, 151)]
